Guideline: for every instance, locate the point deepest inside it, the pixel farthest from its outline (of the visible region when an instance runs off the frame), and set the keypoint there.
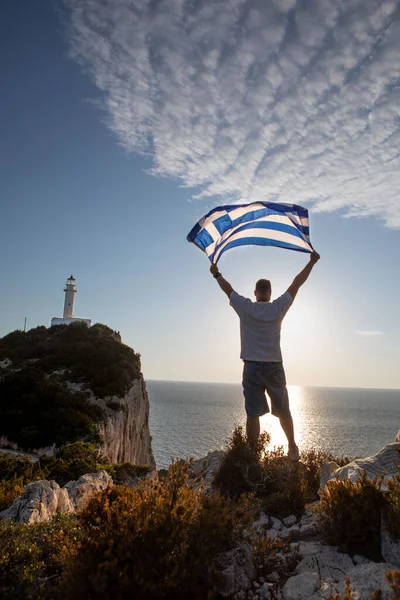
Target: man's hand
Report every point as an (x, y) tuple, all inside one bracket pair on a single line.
[(314, 257), (223, 284), (213, 269)]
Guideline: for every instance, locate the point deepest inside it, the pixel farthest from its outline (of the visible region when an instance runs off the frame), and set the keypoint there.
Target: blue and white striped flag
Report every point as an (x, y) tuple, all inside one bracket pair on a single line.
[(260, 223)]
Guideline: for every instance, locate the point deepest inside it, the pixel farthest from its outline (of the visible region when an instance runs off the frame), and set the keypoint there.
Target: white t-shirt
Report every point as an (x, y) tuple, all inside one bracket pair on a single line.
[(260, 326)]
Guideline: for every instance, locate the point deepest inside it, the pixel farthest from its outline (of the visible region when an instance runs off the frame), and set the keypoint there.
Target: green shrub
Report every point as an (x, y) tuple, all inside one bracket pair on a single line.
[(160, 540), (273, 555), (37, 410), (125, 473), (283, 487), (14, 466), (348, 593), (241, 471), (349, 514), (392, 507), (71, 462), (9, 491), (31, 557), (393, 578)]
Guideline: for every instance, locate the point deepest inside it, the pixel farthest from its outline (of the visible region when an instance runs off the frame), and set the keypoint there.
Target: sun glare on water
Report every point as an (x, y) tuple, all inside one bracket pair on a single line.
[(272, 426)]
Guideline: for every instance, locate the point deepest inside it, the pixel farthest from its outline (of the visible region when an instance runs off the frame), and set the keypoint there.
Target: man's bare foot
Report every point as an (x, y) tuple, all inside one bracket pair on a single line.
[(294, 454)]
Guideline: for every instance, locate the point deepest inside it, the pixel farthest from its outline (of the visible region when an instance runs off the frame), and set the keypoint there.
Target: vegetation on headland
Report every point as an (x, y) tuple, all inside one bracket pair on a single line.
[(37, 406), (164, 539), (70, 462)]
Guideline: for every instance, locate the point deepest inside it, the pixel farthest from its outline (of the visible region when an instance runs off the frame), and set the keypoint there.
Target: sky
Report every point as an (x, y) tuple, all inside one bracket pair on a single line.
[(124, 121)]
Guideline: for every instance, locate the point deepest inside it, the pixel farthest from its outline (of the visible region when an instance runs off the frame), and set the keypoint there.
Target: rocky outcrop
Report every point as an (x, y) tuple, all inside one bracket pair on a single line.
[(385, 462), (202, 471), (321, 570), (125, 431), (390, 548), (237, 571), (41, 500)]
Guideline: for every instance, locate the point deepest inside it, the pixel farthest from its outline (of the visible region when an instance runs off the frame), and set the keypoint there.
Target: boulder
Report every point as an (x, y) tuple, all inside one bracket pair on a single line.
[(300, 587), (289, 521), (309, 549), (386, 461), (369, 578), (390, 549), (82, 490), (202, 471), (327, 469), (262, 522), (237, 570), (328, 562), (39, 502)]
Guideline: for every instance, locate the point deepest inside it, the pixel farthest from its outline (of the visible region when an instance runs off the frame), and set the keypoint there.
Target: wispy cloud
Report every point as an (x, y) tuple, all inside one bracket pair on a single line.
[(254, 98), (369, 332)]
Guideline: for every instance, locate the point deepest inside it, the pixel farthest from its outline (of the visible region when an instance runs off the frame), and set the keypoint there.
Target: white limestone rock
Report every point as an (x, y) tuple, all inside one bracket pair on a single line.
[(328, 562), (390, 548), (237, 570), (82, 490), (309, 549), (262, 522), (358, 559), (125, 432), (327, 469), (39, 502), (202, 471), (289, 521), (369, 578), (301, 587), (265, 591), (386, 461), (276, 524)]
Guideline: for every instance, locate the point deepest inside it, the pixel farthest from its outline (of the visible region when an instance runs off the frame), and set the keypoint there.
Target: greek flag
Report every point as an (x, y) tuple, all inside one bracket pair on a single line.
[(260, 223)]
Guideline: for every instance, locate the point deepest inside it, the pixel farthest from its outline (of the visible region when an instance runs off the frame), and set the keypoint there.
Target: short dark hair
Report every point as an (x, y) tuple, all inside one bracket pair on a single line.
[(263, 286)]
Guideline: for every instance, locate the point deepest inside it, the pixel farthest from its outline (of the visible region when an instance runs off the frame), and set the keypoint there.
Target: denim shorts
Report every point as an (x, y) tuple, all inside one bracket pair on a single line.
[(261, 377)]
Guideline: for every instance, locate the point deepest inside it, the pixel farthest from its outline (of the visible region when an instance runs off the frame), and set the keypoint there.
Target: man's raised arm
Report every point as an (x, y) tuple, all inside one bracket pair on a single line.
[(303, 275), (223, 284)]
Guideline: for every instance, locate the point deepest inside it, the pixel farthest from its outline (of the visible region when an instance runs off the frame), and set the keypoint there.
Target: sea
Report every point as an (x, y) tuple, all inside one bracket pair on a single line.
[(191, 419)]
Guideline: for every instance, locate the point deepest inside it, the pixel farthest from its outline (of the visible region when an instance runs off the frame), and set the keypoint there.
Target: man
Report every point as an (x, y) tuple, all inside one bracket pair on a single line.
[(260, 332)]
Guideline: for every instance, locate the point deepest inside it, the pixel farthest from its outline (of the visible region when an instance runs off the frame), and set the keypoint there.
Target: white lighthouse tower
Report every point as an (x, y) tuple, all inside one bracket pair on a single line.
[(68, 317), (70, 291)]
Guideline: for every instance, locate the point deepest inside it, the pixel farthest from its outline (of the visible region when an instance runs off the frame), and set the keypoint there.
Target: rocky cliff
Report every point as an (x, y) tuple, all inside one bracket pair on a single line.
[(125, 433), (70, 383)]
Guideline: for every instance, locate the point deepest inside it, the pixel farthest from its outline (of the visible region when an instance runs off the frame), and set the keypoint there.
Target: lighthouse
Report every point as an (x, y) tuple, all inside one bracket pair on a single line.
[(68, 316), (70, 291)]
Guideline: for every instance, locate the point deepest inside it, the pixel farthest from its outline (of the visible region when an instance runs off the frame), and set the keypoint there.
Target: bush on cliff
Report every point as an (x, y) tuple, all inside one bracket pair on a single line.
[(93, 356), (283, 487), (9, 491), (36, 406), (70, 462), (392, 507), (158, 541), (349, 515), (32, 557)]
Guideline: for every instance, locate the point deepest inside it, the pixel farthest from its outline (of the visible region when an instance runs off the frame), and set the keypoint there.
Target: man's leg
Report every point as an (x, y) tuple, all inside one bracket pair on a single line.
[(253, 430), (287, 426), (277, 390)]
